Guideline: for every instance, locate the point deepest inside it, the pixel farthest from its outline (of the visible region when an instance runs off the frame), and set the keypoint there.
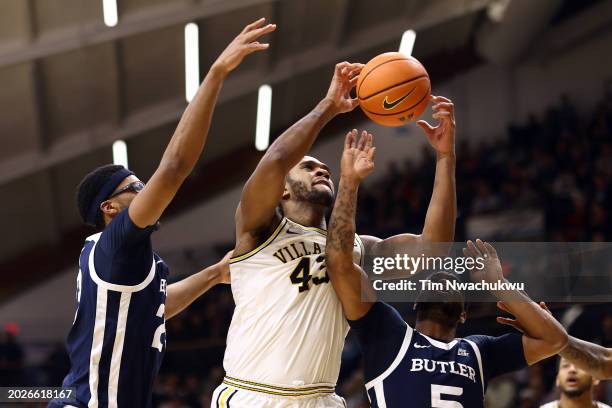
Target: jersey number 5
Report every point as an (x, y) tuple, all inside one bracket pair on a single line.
[(436, 396)]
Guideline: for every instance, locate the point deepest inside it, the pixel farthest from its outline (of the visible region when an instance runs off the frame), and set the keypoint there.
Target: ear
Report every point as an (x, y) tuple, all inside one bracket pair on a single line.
[(286, 194), (557, 380), (463, 317), (109, 208)]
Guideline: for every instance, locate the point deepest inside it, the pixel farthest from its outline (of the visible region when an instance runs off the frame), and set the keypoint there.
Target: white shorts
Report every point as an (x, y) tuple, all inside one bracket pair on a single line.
[(237, 394)]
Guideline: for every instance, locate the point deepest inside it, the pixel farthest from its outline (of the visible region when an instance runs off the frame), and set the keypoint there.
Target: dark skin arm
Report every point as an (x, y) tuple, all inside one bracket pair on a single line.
[(593, 358), (590, 357), (347, 278), (184, 292), (442, 211), (256, 214), (543, 335), (190, 136)]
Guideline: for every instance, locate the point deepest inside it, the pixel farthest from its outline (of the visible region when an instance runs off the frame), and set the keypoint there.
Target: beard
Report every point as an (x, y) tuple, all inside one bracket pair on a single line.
[(324, 198), (576, 392)]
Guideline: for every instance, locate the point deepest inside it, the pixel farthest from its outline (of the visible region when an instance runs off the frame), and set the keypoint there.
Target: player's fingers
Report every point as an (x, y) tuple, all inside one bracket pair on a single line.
[(256, 46), (354, 139), (370, 141), (372, 154), (254, 24), (543, 306), (438, 98), (443, 106), (441, 114), (490, 249), (255, 34), (481, 247), (425, 126), (363, 140), (472, 248), (348, 142), (340, 66), (354, 103)]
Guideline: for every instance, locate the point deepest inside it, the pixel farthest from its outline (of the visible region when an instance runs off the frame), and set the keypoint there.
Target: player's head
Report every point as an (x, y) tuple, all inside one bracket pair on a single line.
[(572, 381), (445, 306), (309, 181), (104, 192)]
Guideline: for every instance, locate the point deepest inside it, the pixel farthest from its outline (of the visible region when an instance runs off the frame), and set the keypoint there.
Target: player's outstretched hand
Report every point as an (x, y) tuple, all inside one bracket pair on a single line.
[(244, 44), (442, 136), (513, 322), (358, 156), (224, 272), (339, 93), (491, 270)]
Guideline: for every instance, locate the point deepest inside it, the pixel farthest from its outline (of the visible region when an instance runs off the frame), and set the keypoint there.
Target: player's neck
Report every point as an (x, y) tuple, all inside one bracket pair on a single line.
[(585, 400), (436, 330), (306, 214)]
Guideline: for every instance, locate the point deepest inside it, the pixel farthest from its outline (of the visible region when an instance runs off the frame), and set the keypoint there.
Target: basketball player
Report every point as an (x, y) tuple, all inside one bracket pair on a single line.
[(287, 332), (426, 366), (576, 388), (117, 339)]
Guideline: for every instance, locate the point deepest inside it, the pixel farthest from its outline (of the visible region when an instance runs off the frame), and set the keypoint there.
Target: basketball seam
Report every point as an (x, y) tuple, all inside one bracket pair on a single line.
[(393, 86), (395, 113), (382, 63)]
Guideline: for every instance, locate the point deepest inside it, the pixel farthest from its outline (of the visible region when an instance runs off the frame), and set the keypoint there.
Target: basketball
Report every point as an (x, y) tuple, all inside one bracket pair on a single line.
[(393, 89)]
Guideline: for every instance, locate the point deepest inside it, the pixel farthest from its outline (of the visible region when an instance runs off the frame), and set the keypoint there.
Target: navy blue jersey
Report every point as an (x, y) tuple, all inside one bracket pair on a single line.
[(117, 340), (406, 368)]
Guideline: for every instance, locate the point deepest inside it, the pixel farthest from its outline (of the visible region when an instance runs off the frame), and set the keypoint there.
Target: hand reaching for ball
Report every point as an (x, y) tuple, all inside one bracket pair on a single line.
[(358, 157), (344, 80), (442, 136)]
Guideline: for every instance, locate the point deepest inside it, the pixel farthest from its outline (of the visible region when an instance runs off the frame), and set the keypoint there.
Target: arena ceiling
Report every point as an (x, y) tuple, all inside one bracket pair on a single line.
[(72, 86)]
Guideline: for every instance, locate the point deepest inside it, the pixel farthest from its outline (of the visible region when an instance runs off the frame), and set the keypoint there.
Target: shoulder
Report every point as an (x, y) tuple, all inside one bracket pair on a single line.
[(602, 405), (552, 404)]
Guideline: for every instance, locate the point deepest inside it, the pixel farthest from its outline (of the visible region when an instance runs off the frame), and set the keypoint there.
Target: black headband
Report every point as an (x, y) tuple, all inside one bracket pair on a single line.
[(106, 190)]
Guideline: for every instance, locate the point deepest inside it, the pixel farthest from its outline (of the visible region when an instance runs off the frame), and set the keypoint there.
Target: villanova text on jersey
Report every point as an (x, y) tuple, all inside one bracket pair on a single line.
[(118, 337), (406, 368)]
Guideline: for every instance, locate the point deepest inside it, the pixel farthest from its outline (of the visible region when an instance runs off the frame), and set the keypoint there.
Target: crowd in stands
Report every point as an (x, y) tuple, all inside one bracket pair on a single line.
[(559, 162)]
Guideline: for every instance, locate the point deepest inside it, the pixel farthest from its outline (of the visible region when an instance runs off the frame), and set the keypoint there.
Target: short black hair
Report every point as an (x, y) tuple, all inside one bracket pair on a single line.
[(89, 187), (442, 306)]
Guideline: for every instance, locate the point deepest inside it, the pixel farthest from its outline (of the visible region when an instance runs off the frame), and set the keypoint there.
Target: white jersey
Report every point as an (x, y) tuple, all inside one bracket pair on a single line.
[(288, 327), (555, 404)]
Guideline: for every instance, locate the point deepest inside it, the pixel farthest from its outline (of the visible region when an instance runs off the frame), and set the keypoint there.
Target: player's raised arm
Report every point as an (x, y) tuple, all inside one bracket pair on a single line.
[(190, 135), (440, 219), (263, 191), (347, 278), (590, 357), (543, 335), (593, 358)]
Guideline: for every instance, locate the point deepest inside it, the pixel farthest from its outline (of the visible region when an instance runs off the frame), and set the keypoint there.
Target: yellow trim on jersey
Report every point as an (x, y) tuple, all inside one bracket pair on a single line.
[(276, 387), (223, 398), (262, 246), (270, 389), (361, 258)]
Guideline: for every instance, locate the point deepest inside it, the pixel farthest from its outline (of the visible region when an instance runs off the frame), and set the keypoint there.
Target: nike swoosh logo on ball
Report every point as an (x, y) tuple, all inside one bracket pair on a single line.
[(390, 105)]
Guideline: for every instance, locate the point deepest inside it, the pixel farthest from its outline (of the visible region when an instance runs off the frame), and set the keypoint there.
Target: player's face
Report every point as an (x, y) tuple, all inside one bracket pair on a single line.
[(310, 181), (571, 380), (125, 192)]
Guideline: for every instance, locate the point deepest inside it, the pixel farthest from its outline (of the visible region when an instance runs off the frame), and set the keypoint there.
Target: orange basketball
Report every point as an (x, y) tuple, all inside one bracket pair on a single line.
[(393, 89)]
